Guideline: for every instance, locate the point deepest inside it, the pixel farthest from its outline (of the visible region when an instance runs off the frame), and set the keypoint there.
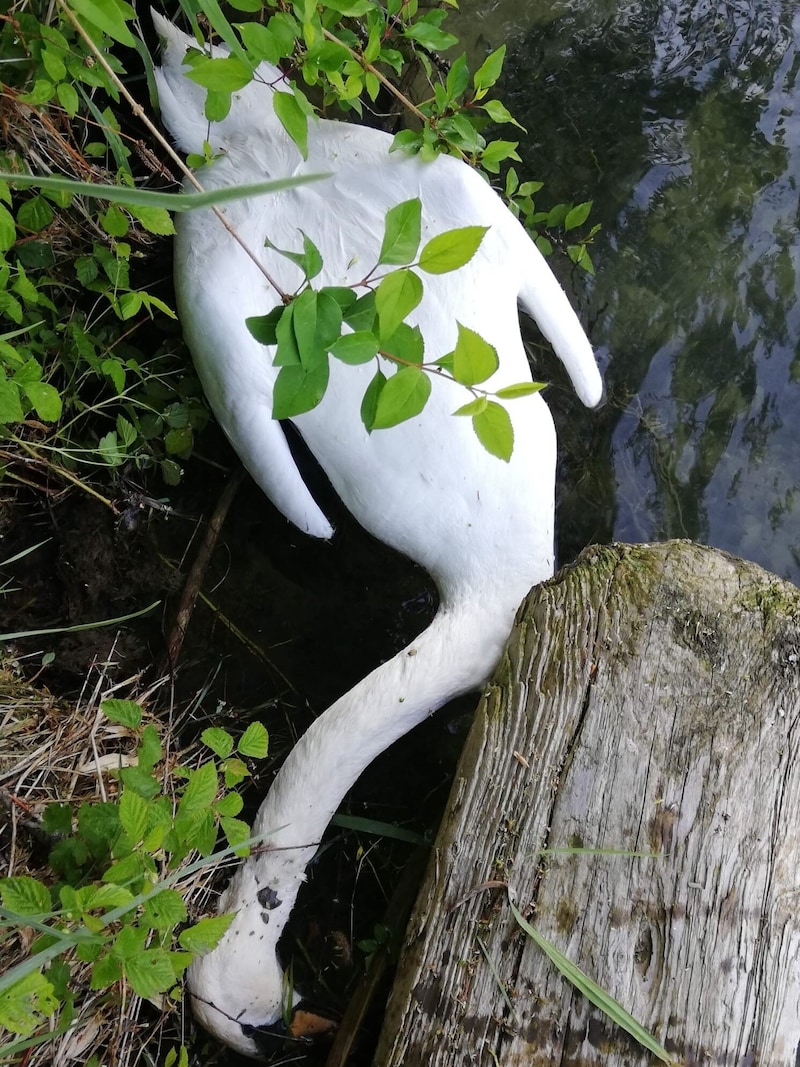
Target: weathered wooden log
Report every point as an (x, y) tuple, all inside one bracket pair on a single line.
[(648, 704)]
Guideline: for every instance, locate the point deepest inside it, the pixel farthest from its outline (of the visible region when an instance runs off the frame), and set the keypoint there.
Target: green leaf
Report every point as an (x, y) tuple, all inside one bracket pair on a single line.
[(262, 327), (403, 397), (355, 348), (164, 910), (430, 37), (45, 399), (108, 16), (401, 233), (105, 972), (218, 740), (25, 895), (451, 250), (489, 71), (474, 407), (362, 314), (474, 360), (511, 392), (577, 215), (496, 152), (134, 815), (115, 222), (221, 75), (150, 972), (298, 389), (149, 748), (254, 742), (8, 229), (231, 804), (396, 296), (154, 219), (125, 712), (35, 214), (10, 403), (406, 344), (457, 78), (309, 260), (494, 430), (205, 935), (259, 40), (499, 113), (288, 353), (68, 98), (23, 1004), (293, 119), (200, 791), (236, 831), (369, 404)]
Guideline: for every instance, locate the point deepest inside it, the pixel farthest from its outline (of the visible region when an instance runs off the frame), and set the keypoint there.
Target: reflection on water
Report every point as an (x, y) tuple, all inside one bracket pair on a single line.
[(682, 122)]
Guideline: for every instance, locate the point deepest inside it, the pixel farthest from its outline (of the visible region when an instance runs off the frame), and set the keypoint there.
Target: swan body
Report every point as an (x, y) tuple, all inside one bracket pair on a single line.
[(482, 528)]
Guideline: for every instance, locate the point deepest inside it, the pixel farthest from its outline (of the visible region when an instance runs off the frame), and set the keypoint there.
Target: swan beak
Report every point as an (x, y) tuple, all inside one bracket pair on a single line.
[(308, 1025)]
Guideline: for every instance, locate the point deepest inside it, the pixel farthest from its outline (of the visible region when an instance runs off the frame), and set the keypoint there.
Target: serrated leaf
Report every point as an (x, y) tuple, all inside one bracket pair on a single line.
[(236, 831), (134, 815), (403, 397), (164, 910), (8, 229), (474, 407), (35, 214), (45, 399), (254, 742), (451, 250), (235, 771), (150, 972), (25, 895), (200, 791), (231, 804), (474, 359), (511, 392), (10, 403), (293, 119), (494, 430), (401, 233), (125, 712), (218, 740), (109, 896), (105, 972), (114, 370), (395, 298), (154, 219), (298, 389), (149, 748), (406, 344), (205, 935), (355, 348)]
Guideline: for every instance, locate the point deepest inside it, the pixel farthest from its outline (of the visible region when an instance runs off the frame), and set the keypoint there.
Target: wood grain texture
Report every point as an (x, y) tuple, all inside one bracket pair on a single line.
[(648, 702)]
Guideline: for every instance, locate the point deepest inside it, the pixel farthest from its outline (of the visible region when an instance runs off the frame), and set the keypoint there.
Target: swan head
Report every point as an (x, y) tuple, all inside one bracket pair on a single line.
[(238, 990), (182, 101)]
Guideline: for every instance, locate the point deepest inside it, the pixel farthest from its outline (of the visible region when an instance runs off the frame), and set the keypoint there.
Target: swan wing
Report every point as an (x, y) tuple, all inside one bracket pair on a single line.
[(215, 288)]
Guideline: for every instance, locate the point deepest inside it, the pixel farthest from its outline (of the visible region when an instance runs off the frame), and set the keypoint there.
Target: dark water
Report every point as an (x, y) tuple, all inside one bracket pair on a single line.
[(681, 121)]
